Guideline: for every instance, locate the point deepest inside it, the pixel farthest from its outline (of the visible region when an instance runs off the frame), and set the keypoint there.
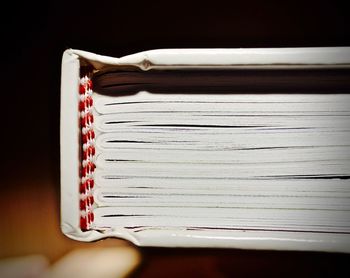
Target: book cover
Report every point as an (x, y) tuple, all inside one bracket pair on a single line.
[(241, 148)]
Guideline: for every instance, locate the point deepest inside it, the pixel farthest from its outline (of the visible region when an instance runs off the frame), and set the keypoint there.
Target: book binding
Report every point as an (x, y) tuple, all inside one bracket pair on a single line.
[(88, 153)]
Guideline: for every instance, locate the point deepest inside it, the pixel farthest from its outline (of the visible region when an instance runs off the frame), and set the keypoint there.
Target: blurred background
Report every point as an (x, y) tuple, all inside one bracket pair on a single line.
[(34, 37)]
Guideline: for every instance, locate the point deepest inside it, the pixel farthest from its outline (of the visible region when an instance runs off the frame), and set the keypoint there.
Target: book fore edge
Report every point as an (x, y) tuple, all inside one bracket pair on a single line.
[(88, 154)]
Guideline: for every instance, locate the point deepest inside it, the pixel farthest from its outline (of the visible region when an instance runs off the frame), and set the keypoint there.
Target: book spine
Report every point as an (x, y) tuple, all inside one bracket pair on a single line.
[(88, 153)]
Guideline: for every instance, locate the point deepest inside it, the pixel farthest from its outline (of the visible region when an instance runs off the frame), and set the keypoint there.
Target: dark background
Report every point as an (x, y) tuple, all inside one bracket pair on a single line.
[(34, 37)]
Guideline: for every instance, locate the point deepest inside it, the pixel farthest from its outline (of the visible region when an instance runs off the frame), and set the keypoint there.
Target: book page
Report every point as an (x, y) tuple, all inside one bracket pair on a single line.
[(270, 162)]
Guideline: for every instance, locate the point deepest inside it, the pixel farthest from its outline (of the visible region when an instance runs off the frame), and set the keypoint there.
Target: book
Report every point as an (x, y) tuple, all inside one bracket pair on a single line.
[(239, 148)]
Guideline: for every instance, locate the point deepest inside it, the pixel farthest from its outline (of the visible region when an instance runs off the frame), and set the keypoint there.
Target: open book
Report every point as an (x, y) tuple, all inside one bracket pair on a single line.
[(242, 148)]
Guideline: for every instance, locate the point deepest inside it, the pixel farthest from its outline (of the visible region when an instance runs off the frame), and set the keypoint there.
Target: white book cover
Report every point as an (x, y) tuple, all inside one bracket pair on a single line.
[(237, 169)]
